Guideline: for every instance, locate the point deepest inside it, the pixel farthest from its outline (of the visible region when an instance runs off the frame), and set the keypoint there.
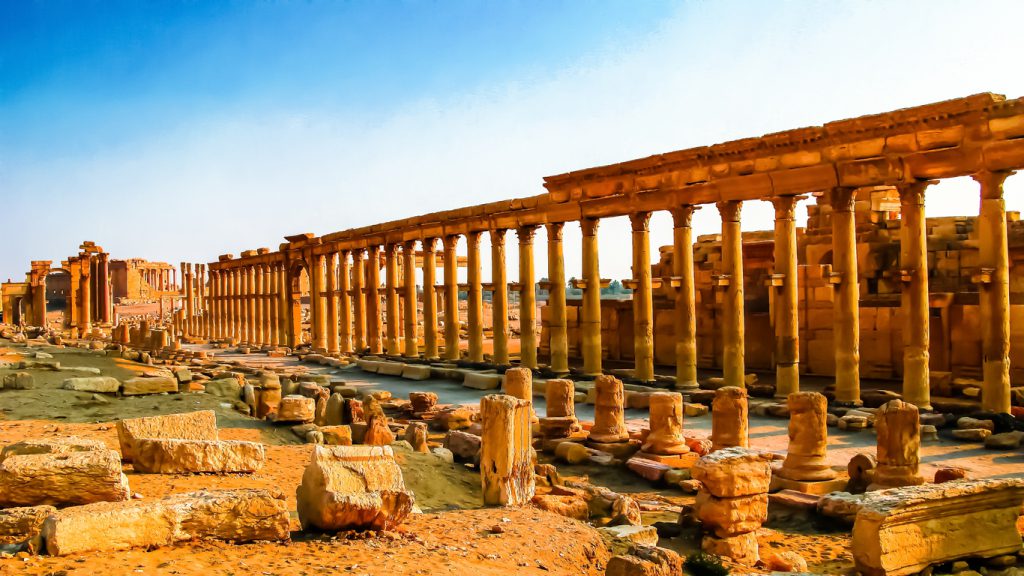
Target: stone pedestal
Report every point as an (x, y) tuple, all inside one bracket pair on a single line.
[(899, 444), (666, 416), (506, 455), (560, 420), (805, 468), (518, 382), (609, 420), (729, 418)]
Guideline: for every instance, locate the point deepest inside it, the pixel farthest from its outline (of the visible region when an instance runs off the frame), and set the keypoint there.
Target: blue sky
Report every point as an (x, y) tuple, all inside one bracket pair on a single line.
[(184, 130)]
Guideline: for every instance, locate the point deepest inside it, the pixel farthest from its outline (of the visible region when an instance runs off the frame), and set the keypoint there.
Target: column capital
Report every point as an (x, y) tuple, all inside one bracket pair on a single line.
[(409, 246), (729, 210), (842, 198), (451, 240), (785, 206), (589, 226), (992, 182), (555, 231), (429, 244), (358, 252), (682, 216), (525, 233), (473, 236), (640, 221), (912, 193), (498, 236), (390, 247)]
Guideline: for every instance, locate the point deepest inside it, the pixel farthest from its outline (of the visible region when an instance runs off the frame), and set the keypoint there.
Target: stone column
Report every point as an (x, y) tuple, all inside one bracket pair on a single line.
[(275, 305), (994, 292), (518, 382), (189, 299), (506, 453), (318, 324), (332, 303), (103, 282), (666, 417), (85, 322), (268, 288), (451, 298), (729, 418), (685, 298), (411, 347), (559, 419), (257, 303), (914, 271), (590, 325), (344, 303), (359, 299), (733, 365), (787, 321), (643, 301), (559, 337), (808, 439), (475, 316), (527, 299), (898, 425), (213, 300), (846, 306), (373, 315), (251, 303), (283, 298), (233, 319), (609, 420), (391, 298), (429, 299), (499, 297)]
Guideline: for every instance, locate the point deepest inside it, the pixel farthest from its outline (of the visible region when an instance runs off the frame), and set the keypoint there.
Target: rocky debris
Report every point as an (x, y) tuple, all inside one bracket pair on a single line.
[(455, 418), (904, 530), (463, 445), (64, 445), (296, 408), (416, 436), (230, 388), (100, 384), (177, 456), (143, 385), (377, 431), (972, 434), (242, 515), (620, 539), (353, 488), (949, 473), (62, 479), (568, 505), (422, 401), (733, 500), (606, 507), (22, 528), (201, 425), (1005, 440), (340, 435), (18, 381), (785, 561), (645, 561)]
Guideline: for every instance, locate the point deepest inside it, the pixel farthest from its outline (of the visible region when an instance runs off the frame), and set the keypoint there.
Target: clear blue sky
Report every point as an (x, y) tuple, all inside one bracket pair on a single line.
[(184, 130)]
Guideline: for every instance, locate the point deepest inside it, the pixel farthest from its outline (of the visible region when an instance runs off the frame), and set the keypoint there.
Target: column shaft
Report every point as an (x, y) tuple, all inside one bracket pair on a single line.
[(590, 325), (451, 298), (558, 342), (275, 305), (391, 298), (846, 303), (429, 299), (257, 305), (373, 315), (527, 299), (499, 297), (332, 303), (283, 288), (411, 345), (643, 301), (265, 299), (685, 298), (914, 297), (733, 329), (318, 302), (994, 295), (251, 305), (787, 322), (345, 303), (359, 299), (475, 312)]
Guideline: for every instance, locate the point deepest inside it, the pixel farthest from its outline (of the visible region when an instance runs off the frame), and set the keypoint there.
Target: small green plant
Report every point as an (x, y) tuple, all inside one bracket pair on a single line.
[(701, 564)]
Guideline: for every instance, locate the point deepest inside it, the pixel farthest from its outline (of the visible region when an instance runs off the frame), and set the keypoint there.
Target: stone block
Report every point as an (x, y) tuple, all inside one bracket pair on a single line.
[(904, 530), (620, 539), (390, 368), (732, 472), (416, 372), (645, 561), (229, 388), (742, 549), (101, 384), (200, 425), (23, 527), (62, 479), (142, 385), (463, 445), (19, 381), (340, 435), (65, 445), (242, 515), (482, 381), (353, 488), (731, 516), (296, 408), (176, 456)]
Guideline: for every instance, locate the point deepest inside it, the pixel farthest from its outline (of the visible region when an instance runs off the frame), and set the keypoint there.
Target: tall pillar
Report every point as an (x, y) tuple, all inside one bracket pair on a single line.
[(411, 346), (250, 305), (257, 305), (499, 296), (332, 303), (846, 304), (527, 299), (214, 303), (994, 292), (685, 297), (318, 323), (475, 312), (643, 301), (451, 298), (189, 299), (373, 315), (240, 308), (275, 307), (559, 339), (590, 326), (104, 288), (85, 322), (391, 297), (266, 299), (787, 322), (733, 367), (429, 299), (282, 305), (914, 297), (359, 299), (344, 303), (231, 276)]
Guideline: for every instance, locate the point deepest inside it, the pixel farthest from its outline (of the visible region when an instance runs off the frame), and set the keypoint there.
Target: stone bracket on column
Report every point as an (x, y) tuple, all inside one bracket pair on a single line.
[(721, 280), (984, 276), (906, 275), (775, 280), (633, 284), (581, 283), (544, 285)]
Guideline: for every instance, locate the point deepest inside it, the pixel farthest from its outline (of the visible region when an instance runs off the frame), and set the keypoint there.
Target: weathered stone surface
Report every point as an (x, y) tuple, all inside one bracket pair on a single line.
[(19, 381), (899, 446), (416, 372), (729, 418), (666, 417), (142, 385), (645, 561), (102, 384), (904, 530), (742, 548), (1005, 440), (177, 456), (64, 445), (609, 420), (353, 487), (506, 452), (482, 380), (732, 516), (808, 439), (340, 435), (296, 408), (570, 506), (200, 425), (785, 561), (422, 401), (971, 434), (416, 436), (62, 479), (620, 539), (242, 515), (23, 527), (733, 472), (463, 445), (224, 388)]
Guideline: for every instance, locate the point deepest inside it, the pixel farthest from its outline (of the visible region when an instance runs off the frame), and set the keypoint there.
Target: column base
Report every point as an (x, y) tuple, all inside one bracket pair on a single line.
[(816, 488)]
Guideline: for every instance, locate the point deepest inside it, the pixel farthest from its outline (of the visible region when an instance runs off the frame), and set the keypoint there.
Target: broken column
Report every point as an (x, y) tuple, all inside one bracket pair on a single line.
[(732, 501), (665, 442), (609, 419), (898, 425), (518, 382), (506, 454), (200, 425), (559, 421), (57, 479), (729, 418), (805, 468)]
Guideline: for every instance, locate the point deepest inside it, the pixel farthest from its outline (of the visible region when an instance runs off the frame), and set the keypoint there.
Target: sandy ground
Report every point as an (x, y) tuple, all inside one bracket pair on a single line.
[(453, 535)]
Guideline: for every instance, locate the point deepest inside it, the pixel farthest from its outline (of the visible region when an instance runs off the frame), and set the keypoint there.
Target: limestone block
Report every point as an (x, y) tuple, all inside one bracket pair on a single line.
[(353, 487), (482, 380), (620, 539), (463, 445), (296, 408), (142, 385), (176, 456), (729, 418), (570, 506), (62, 479), (65, 445), (971, 434), (506, 452), (183, 375), (645, 561), (1005, 440), (733, 472), (241, 515), (904, 530), (416, 436), (390, 368), (741, 549), (23, 527), (422, 401), (101, 384), (731, 516), (229, 388), (416, 372), (200, 425), (340, 435)]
